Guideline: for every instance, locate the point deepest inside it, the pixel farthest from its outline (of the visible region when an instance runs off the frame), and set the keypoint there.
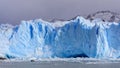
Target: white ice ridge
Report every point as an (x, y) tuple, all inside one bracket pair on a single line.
[(64, 39)]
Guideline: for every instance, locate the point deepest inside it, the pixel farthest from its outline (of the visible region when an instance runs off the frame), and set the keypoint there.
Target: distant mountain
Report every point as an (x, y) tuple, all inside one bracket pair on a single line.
[(105, 16)]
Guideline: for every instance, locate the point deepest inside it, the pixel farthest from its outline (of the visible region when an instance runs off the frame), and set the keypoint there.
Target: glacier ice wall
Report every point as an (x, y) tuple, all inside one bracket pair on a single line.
[(75, 38)]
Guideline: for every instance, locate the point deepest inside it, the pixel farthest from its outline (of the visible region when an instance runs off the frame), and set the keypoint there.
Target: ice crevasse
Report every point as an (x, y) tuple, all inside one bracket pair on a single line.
[(64, 39)]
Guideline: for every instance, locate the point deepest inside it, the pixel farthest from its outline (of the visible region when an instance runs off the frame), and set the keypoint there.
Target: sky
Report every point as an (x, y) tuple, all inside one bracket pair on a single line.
[(14, 11)]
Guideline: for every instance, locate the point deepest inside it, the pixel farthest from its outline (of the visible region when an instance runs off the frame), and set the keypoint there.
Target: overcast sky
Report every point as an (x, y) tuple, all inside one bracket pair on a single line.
[(13, 11)]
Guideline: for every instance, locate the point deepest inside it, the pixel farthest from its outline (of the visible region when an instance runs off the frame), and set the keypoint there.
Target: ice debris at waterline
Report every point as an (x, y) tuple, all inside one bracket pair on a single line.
[(64, 39)]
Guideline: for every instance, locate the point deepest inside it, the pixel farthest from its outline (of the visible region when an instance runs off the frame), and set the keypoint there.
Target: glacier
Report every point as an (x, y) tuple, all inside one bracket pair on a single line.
[(78, 37)]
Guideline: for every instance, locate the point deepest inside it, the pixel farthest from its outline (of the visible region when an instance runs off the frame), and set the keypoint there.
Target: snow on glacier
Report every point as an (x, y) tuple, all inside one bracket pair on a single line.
[(64, 39)]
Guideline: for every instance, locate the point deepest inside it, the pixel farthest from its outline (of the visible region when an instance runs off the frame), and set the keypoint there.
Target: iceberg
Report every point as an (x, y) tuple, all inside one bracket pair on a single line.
[(79, 37)]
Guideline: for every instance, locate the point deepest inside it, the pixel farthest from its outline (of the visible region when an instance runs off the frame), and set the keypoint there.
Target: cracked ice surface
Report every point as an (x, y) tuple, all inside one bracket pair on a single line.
[(64, 39)]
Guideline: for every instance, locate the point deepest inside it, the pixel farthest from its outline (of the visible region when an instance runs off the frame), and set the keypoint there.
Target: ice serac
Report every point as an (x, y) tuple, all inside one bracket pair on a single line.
[(5, 35), (29, 40), (113, 37), (65, 39)]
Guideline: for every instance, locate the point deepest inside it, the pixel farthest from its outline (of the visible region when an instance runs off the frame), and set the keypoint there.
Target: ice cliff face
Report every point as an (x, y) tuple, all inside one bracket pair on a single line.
[(75, 38)]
